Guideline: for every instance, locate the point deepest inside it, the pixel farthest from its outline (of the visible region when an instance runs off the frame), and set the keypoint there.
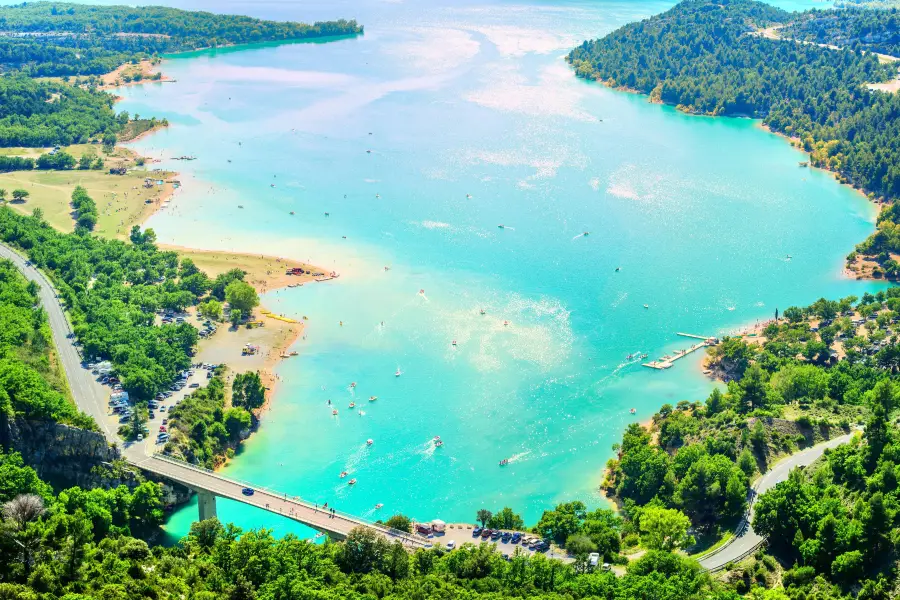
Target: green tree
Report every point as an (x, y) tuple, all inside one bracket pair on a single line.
[(248, 391), (241, 296), (19, 195), (211, 309), (236, 420), (236, 317), (664, 528), (483, 516), (506, 519), (401, 522)]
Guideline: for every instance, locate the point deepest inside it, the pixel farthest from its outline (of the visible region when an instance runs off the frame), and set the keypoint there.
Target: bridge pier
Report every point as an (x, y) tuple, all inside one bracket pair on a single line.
[(207, 504)]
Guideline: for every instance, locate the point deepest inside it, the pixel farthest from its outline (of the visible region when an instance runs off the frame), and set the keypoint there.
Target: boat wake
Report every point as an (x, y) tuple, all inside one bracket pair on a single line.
[(622, 297), (520, 457)]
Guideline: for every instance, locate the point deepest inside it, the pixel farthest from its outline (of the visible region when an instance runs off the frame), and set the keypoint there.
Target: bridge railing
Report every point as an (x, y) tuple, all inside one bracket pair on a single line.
[(388, 531)]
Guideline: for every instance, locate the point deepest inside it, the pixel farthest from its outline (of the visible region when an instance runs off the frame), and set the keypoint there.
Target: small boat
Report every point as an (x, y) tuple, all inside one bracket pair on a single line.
[(506, 323), (438, 443), (369, 442), (504, 462), (632, 411), (327, 214), (353, 385), (468, 195), (378, 195), (587, 233), (453, 342), (334, 412), (629, 357), (343, 474), (351, 482), (617, 269), (788, 257), (398, 373), (240, 206), (644, 355), (368, 152), (646, 306), (379, 506), (293, 353), (362, 413), (292, 212), (386, 268), (501, 227), (482, 311), (271, 185), (373, 398), (352, 405), (437, 437), (422, 292)]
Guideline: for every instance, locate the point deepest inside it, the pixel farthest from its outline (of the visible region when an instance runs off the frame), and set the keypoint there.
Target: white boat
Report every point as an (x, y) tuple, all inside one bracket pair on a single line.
[(646, 306), (369, 442), (351, 482), (379, 506), (373, 398), (398, 373)]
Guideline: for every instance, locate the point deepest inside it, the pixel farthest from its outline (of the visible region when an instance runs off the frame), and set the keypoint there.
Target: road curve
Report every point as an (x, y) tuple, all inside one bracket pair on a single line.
[(746, 540), (90, 396)]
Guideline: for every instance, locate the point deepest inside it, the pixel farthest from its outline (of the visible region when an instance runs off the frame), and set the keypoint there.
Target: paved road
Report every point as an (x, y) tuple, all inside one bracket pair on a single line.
[(292, 507), (745, 539), (90, 396)]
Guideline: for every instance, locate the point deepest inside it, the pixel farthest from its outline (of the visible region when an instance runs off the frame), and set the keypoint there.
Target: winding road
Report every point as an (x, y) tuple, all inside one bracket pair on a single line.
[(745, 540), (91, 397)]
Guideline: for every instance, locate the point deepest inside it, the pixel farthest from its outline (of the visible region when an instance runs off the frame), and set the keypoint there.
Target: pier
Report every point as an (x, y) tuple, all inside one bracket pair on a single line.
[(667, 361)]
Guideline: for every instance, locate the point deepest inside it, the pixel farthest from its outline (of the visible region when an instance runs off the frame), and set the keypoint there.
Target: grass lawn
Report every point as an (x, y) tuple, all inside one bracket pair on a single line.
[(121, 200)]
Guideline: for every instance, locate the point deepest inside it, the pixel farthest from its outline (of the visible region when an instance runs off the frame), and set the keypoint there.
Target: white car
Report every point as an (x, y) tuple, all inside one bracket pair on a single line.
[(593, 559), (451, 544), (140, 437)]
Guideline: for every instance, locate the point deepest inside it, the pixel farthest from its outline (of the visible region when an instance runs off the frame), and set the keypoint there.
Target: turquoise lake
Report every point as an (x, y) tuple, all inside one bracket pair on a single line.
[(419, 138)]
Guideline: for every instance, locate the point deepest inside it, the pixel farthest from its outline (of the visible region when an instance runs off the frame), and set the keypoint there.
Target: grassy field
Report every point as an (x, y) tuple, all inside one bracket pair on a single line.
[(121, 200)]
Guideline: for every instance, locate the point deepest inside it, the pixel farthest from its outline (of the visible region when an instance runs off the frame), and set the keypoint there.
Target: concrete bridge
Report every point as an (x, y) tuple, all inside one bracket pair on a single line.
[(210, 485), (91, 398)]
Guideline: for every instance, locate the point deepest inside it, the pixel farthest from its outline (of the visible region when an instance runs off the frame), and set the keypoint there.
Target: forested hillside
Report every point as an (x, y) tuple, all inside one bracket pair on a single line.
[(46, 38), (32, 384), (706, 57), (872, 30)]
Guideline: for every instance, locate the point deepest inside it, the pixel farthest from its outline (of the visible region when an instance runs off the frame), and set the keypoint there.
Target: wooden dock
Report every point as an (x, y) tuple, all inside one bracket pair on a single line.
[(667, 361)]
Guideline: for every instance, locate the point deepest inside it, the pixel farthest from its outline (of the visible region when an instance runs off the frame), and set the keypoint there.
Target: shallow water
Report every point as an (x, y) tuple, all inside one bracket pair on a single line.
[(460, 99)]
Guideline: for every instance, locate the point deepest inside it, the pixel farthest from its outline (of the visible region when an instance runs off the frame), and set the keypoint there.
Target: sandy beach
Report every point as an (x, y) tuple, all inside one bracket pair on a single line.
[(146, 68)]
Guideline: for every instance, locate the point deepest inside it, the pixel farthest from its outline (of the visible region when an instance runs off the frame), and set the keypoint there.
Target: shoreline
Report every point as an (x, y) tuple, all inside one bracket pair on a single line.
[(112, 80)]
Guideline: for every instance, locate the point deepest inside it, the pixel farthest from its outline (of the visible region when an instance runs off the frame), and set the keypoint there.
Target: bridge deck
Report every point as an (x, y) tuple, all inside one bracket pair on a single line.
[(338, 526)]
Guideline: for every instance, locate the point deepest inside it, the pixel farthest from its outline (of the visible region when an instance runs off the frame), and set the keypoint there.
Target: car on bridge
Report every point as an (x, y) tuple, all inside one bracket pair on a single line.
[(247, 491)]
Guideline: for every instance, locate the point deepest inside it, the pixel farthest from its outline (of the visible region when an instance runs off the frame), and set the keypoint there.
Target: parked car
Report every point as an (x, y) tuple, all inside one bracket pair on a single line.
[(140, 437), (516, 537), (194, 385), (506, 536), (495, 535), (486, 533), (451, 545), (247, 491), (593, 559), (476, 532)]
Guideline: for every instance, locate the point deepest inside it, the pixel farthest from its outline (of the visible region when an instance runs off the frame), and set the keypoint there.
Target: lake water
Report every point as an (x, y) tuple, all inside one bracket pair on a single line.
[(445, 120)]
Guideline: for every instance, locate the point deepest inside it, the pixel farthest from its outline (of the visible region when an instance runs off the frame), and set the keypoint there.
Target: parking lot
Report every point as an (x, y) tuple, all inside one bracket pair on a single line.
[(462, 533)]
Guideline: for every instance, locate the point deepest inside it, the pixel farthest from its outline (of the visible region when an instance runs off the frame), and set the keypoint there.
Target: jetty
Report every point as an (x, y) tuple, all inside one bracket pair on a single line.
[(667, 361)]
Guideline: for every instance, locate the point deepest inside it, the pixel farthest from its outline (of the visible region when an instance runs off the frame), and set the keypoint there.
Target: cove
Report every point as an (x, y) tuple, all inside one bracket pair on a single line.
[(419, 138)]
